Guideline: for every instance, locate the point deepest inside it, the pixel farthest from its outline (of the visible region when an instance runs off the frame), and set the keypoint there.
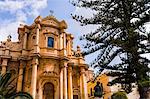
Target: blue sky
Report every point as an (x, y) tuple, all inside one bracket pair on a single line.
[(16, 12)]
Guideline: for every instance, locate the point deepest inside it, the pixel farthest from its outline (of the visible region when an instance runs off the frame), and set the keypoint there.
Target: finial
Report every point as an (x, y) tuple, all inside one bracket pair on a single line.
[(38, 19), (51, 12), (9, 38), (78, 48)]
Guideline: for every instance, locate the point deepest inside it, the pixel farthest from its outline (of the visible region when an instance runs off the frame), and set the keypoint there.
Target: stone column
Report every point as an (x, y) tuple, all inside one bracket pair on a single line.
[(20, 78), (4, 65), (25, 41), (84, 94), (61, 83), (60, 41), (69, 46), (70, 90), (65, 81), (64, 42), (34, 77), (36, 45), (81, 90)]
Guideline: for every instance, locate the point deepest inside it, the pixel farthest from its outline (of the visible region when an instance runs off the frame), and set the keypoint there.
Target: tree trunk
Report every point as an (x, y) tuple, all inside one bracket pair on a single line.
[(144, 92)]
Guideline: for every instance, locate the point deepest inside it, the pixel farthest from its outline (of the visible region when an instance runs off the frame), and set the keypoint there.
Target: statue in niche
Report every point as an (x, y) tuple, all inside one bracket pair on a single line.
[(98, 90)]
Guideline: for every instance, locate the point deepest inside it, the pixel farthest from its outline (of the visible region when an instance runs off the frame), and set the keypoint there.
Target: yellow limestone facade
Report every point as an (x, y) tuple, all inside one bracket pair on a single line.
[(47, 66), (103, 79)]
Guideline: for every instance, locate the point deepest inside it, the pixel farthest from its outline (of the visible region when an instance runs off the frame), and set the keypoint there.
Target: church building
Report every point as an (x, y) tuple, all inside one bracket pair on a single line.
[(45, 62)]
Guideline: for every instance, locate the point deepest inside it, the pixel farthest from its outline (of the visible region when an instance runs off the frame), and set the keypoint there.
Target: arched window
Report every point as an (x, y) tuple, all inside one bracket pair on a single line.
[(50, 42)]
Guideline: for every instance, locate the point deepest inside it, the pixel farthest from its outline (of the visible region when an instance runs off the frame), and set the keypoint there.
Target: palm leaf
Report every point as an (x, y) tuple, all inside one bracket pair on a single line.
[(20, 94)]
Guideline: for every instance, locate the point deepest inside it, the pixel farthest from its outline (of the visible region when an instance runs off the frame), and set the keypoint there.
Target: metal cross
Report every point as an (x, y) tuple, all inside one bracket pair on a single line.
[(51, 12)]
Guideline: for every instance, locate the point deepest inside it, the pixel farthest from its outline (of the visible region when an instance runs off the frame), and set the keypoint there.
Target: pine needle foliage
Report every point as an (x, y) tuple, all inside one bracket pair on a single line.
[(119, 95), (121, 33)]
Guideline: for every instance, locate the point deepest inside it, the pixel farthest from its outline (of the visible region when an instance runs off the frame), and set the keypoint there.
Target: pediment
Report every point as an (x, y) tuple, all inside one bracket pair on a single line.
[(50, 23)]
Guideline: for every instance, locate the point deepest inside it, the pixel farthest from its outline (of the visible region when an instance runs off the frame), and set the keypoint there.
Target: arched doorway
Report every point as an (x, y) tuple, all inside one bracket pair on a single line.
[(48, 92)]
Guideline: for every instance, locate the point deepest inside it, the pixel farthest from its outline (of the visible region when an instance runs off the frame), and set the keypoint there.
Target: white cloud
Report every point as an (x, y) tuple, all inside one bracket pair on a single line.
[(29, 6), (10, 28), (22, 9), (11, 6)]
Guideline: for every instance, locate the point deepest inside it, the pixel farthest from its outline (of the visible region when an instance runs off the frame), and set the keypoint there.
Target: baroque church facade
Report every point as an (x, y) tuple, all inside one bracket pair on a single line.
[(45, 61)]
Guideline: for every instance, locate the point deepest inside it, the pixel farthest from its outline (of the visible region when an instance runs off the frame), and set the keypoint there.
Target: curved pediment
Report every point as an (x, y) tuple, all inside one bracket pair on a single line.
[(50, 18), (50, 21)]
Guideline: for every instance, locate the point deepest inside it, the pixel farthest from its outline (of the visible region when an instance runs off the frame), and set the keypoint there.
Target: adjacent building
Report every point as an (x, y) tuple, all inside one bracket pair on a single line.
[(103, 79)]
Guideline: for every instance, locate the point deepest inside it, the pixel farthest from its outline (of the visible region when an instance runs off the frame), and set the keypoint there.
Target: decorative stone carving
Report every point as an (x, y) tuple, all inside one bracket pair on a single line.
[(50, 73), (77, 53), (63, 25), (8, 43)]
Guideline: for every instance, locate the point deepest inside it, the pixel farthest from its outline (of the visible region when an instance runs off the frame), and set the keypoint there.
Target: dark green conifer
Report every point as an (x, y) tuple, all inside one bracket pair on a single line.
[(121, 33)]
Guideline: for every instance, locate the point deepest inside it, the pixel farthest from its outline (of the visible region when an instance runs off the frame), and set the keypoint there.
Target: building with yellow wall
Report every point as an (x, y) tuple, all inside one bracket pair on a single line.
[(44, 57), (102, 78), (108, 90)]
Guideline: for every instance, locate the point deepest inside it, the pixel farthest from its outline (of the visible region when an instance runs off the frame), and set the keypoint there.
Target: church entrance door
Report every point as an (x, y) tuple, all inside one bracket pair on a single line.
[(48, 92)]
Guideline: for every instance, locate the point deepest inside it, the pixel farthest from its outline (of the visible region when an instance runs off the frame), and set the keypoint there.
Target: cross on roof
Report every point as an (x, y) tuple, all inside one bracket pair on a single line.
[(51, 12)]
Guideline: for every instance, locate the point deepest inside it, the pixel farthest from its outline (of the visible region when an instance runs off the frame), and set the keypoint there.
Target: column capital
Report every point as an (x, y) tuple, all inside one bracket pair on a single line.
[(62, 31), (22, 64), (26, 32), (82, 70), (38, 26), (4, 62), (85, 66), (63, 64), (70, 64), (35, 61), (69, 69)]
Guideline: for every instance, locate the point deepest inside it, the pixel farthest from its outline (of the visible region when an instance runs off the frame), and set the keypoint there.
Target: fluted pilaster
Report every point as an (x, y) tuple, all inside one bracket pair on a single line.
[(65, 82), (20, 78), (4, 66), (83, 84), (70, 90), (61, 83)]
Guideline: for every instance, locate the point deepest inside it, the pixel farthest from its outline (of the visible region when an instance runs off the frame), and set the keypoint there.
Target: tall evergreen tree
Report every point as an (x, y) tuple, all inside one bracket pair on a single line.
[(121, 33)]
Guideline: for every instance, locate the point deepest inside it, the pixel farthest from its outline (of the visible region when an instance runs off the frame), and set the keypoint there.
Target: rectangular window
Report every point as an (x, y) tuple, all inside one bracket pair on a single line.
[(50, 42)]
